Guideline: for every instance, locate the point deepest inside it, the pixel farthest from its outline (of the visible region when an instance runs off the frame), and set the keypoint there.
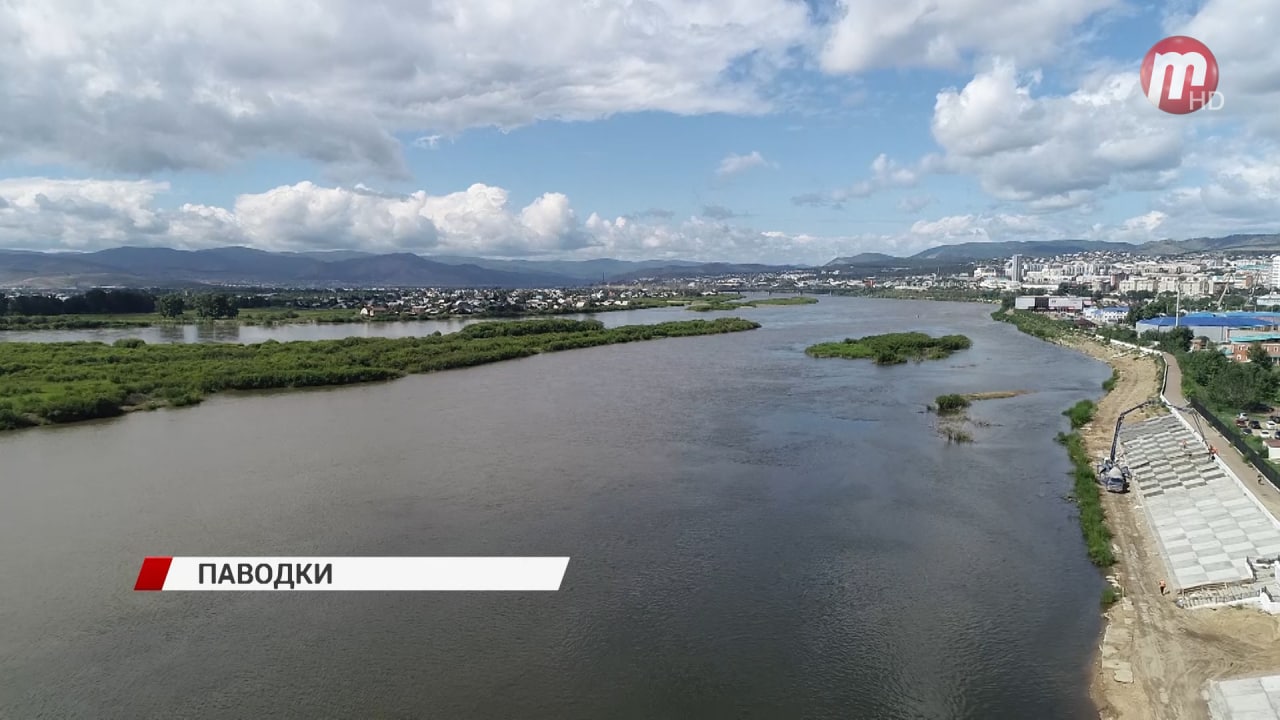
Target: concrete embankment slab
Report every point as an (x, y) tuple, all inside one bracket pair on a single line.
[(1205, 523), (1245, 698)]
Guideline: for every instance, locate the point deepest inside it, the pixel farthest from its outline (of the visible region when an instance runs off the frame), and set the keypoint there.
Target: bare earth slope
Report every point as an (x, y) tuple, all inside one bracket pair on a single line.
[(1155, 658)]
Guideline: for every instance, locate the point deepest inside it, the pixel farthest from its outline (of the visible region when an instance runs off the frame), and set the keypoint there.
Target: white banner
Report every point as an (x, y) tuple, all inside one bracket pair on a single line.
[(352, 573)]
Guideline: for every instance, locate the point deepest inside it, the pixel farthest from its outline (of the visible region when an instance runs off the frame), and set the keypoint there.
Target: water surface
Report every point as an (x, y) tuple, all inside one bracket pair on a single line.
[(753, 533)]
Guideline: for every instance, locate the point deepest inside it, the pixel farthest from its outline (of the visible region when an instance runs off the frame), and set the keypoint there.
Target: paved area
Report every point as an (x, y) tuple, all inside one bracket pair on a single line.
[(1245, 699), (1207, 527)]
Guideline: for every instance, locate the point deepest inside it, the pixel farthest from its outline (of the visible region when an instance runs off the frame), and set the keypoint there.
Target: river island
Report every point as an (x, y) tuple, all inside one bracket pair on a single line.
[(892, 348), (48, 383), (724, 302)]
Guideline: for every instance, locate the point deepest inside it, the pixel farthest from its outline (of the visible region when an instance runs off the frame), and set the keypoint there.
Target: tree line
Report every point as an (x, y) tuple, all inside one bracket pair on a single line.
[(101, 301)]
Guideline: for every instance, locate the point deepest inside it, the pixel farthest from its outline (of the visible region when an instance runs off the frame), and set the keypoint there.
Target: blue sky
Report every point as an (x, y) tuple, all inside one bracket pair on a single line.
[(748, 130)]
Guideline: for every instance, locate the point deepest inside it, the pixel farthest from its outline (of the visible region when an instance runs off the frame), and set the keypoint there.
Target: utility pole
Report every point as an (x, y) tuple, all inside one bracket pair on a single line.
[(1177, 308)]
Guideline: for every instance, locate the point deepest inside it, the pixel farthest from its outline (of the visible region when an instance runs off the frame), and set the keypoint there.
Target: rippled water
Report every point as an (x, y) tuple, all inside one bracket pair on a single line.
[(754, 533)]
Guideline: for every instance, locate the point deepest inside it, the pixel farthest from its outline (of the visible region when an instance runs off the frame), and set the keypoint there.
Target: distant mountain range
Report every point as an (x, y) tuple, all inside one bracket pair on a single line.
[(164, 267), (980, 251)]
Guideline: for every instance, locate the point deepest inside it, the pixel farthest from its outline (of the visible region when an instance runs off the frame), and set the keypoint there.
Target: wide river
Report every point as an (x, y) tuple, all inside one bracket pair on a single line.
[(753, 533), (285, 332)]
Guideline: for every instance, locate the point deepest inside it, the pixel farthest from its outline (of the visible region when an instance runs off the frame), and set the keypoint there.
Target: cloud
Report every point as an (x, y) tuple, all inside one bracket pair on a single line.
[(1241, 34), (915, 203), (428, 142), (43, 214), (1055, 151), (735, 164), (143, 86), (662, 213), (885, 173), (719, 212), (871, 34)]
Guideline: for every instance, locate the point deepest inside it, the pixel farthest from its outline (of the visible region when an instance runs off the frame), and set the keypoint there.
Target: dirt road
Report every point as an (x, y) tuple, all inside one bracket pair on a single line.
[(1155, 658)]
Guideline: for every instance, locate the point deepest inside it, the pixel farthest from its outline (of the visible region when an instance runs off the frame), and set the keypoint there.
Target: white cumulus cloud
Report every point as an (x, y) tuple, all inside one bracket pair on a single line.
[(1055, 151), (734, 164), (872, 34), (140, 86)]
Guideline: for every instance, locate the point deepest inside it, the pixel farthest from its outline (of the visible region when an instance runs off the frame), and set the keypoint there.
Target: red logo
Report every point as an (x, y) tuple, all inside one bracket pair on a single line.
[(1180, 76)]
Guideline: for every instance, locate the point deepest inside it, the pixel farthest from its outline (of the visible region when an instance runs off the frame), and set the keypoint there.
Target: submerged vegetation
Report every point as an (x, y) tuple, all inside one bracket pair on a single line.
[(892, 348), (67, 382)]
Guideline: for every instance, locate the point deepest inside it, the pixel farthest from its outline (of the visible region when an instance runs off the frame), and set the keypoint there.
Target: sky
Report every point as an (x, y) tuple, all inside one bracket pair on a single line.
[(777, 131)]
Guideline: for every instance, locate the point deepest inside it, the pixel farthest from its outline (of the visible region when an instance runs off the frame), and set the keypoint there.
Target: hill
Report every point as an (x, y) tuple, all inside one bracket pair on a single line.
[(588, 271), (166, 267), (980, 251), (868, 259), (138, 266), (994, 250)]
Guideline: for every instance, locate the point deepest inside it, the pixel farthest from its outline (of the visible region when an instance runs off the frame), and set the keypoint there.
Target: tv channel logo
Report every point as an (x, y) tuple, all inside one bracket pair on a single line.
[(1180, 76)]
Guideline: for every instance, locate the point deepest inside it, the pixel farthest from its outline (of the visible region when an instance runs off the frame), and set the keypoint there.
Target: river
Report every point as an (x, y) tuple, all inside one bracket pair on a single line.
[(753, 533), (285, 332)]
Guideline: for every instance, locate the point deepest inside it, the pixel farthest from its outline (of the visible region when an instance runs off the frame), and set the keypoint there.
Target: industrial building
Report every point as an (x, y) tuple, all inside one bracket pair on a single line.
[(1215, 326), (1052, 303)]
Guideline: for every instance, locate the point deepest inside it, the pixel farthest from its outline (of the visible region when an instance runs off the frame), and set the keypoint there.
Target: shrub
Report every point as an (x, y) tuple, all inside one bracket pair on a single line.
[(1080, 413), (951, 403)]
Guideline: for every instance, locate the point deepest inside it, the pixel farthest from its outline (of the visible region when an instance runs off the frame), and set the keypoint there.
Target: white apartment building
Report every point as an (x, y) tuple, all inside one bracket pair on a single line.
[(1275, 271)]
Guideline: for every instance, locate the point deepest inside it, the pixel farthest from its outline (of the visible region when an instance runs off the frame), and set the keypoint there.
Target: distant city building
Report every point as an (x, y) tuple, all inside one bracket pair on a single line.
[(1107, 315), (1051, 303), (1015, 268), (1275, 271)]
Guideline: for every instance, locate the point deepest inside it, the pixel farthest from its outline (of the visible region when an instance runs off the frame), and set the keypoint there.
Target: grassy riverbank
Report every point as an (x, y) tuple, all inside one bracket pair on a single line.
[(327, 316), (724, 304), (892, 348), (66, 382), (1088, 498)]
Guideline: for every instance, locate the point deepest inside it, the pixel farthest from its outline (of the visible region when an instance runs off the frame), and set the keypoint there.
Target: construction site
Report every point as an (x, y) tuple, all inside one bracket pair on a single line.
[(1194, 633)]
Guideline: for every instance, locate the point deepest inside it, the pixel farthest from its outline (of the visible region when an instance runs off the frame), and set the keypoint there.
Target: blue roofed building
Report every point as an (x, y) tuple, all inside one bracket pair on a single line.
[(1215, 326)]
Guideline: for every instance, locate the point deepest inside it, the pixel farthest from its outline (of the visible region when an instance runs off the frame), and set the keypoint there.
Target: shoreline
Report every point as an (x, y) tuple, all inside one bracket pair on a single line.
[(1155, 660), (251, 319)]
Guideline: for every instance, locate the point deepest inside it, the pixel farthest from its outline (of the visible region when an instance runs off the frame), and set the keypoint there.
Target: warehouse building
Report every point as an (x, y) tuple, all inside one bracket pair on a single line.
[(1052, 303), (1215, 326)]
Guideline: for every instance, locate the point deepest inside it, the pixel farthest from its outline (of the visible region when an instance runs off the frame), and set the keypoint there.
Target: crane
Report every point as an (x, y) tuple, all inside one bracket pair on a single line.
[(1223, 296), (1115, 439)]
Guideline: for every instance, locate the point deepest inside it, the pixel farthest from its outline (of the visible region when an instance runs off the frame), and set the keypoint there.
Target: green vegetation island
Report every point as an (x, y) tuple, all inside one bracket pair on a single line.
[(892, 348), (722, 302), (124, 308), (43, 383)]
